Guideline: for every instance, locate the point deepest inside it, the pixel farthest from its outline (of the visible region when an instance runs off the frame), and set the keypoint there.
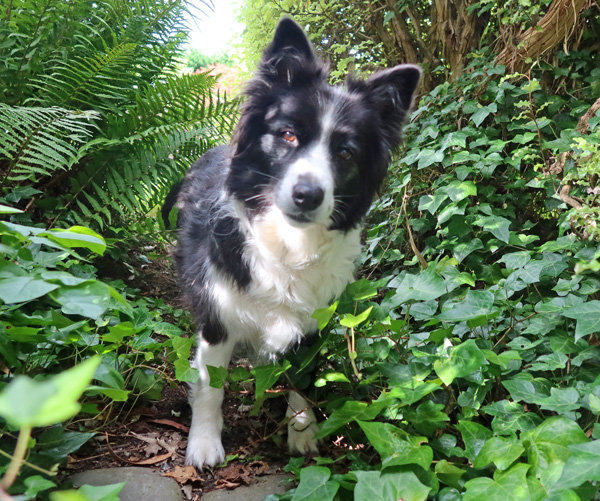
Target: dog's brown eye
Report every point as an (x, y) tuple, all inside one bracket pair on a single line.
[(345, 154), (289, 136)]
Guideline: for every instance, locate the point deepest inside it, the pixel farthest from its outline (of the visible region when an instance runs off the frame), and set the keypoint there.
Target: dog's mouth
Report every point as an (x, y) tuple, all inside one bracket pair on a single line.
[(299, 218)]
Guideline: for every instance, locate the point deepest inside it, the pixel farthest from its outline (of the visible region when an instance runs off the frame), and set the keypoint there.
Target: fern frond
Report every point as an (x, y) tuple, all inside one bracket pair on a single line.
[(100, 81), (38, 141)]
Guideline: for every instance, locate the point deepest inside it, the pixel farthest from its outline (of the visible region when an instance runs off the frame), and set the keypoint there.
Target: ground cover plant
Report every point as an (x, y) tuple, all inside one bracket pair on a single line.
[(464, 362)]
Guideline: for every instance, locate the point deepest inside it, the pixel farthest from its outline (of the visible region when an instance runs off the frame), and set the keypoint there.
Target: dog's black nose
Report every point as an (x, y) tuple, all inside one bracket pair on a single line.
[(307, 196)]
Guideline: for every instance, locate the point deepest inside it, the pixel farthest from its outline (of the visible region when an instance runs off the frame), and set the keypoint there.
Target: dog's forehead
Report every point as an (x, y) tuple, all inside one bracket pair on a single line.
[(327, 105)]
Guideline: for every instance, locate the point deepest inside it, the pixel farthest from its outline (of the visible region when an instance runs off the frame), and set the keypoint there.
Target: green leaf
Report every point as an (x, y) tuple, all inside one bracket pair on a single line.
[(21, 289), (365, 289), (323, 315), (587, 316), (474, 437), (351, 321), (217, 375), (475, 304), (505, 485), (315, 484), (397, 447), (184, 372), (527, 388), (392, 485), (463, 360), (351, 410), (582, 466), (429, 156), (497, 226), (77, 236), (267, 375), (5, 209), (459, 190), (501, 451), (426, 286), (48, 402), (550, 441), (510, 417), (89, 299), (561, 400)]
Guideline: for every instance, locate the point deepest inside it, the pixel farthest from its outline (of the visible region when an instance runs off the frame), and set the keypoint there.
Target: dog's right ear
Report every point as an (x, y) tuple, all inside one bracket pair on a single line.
[(290, 57)]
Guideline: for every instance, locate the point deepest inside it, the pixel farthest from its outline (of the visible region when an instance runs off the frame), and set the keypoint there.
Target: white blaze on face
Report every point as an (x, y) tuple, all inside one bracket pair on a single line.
[(313, 166)]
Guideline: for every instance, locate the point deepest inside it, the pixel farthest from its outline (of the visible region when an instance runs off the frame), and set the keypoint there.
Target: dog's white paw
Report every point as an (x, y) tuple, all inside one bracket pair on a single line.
[(204, 451), (303, 441)]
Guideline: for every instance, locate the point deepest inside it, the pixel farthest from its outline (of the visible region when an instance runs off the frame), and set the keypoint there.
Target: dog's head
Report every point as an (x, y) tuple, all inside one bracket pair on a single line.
[(318, 153)]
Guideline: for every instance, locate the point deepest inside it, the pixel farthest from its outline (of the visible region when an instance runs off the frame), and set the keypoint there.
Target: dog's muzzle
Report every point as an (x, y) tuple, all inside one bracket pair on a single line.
[(307, 195)]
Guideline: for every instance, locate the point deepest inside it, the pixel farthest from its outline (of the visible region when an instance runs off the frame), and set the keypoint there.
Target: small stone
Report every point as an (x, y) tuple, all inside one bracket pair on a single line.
[(142, 483)]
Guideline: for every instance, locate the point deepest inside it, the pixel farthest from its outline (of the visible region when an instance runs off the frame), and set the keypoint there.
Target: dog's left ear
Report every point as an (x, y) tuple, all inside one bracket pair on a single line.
[(391, 91), (290, 56)]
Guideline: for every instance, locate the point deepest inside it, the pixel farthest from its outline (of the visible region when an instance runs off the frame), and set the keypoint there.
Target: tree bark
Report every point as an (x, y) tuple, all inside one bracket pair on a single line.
[(556, 26)]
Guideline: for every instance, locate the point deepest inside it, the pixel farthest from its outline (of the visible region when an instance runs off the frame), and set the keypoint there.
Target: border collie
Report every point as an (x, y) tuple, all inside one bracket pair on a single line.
[(269, 226)]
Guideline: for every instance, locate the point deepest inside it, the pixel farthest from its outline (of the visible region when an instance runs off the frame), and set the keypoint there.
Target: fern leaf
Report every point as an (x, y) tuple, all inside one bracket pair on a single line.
[(39, 141)]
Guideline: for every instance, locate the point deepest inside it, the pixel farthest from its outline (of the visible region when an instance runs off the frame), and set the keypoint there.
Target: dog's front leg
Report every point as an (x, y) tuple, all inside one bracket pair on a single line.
[(204, 441), (302, 425)]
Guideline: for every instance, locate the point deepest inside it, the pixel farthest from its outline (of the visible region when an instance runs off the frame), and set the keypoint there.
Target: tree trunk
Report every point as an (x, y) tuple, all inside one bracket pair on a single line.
[(556, 26)]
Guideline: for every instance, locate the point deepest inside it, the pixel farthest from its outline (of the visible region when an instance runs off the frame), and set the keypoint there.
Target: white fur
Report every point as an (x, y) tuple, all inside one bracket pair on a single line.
[(294, 272), (315, 165), (302, 425), (204, 440)]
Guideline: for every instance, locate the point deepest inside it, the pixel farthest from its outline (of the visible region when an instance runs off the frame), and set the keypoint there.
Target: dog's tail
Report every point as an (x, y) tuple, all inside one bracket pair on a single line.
[(170, 201)]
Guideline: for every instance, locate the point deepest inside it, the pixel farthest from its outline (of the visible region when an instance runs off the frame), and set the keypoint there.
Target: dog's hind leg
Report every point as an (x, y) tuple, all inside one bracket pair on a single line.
[(204, 441), (302, 425)]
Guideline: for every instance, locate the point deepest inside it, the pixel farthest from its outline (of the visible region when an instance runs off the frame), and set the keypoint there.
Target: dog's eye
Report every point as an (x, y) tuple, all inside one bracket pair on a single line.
[(289, 136), (345, 154)]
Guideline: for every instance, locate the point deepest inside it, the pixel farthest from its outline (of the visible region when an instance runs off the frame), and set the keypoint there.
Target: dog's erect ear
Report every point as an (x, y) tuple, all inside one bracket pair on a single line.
[(391, 91), (290, 55), (289, 35)]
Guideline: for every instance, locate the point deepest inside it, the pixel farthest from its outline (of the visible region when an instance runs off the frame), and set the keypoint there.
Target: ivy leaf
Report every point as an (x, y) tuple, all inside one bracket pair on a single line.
[(458, 190), (463, 360), (351, 321), (501, 451), (217, 376), (323, 315), (474, 436), (397, 447), (426, 286), (550, 441), (582, 466), (429, 157), (497, 226), (511, 484), (267, 375), (315, 484), (89, 299), (587, 316), (350, 411), (374, 485), (482, 113), (184, 372), (475, 304), (510, 417), (561, 400), (527, 388)]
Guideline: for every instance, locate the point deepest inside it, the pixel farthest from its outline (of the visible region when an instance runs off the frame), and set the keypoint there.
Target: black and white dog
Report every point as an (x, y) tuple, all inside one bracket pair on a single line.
[(269, 225)]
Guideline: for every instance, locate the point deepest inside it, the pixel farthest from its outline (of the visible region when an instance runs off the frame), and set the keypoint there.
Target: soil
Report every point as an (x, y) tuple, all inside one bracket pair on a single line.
[(154, 435)]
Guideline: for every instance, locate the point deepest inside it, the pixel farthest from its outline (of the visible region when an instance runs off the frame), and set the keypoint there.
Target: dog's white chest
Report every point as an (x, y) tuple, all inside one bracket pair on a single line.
[(294, 272)]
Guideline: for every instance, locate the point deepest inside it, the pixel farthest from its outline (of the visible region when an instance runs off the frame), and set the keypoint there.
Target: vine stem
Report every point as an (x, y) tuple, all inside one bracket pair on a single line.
[(17, 458)]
